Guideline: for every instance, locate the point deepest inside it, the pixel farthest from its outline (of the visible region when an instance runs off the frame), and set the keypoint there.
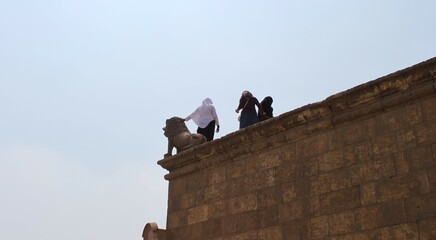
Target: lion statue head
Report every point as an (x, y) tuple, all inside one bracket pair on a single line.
[(179, 136)]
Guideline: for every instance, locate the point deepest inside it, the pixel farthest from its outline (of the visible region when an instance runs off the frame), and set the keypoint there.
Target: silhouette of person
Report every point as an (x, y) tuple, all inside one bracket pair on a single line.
[(206, 118), (247, 104), (267, 108)]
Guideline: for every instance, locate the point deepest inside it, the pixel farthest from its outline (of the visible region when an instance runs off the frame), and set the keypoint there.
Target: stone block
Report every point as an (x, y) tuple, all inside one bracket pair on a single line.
[(383, 145), (312, 146), (187, 200), (242, 203), (406, 139), (419, 158), (414, 76), (336, 141), (176, 187), (357, 132), (355, 236), (289, 171), (320, 184), (333, 160), (269, 216), (229, 225), (401, 164), (291, 190), (342, 178), (288, 152), (314, 206), (295, 133), (361, 236), (234, 187), (217, 175), (218, 209), (249, 235), (196, 182), (197, 214), (366, 217), (391, 213), (363, 152), (251, 165), (200, 197), (271, 233), (341, 223), (318, 227), (250, 202), (310, 167), (425, 133), (378, 169), (339, 201), (428, 109), (212, 228), (177, 219), (368, 194), (193, 232), (292, 230), (269, 160), (235, 169), (291, 211), (236, 205), (421, 207), (268, 196), (215, 192), (314, 126), (402, 231), (399, 118), (248, 221), (402, 187), (427, 229), (265, 178), (295, 189), (431, 174), (174, 204)]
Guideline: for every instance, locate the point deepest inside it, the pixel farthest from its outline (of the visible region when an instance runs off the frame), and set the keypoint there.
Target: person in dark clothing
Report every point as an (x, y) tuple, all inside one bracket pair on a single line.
[(267, 108), (247, 104)]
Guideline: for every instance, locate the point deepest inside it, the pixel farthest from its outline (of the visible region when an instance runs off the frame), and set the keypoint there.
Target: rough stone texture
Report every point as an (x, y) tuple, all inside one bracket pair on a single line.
[(359, 165)]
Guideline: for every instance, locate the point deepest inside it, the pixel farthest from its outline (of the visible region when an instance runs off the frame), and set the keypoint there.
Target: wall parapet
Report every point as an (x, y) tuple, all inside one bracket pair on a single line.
[(365, 100)]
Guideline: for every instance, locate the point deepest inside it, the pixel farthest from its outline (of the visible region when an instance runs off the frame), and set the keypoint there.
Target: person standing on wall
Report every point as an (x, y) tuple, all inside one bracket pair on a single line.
[(267, 108), (247, 104), (206, 118)]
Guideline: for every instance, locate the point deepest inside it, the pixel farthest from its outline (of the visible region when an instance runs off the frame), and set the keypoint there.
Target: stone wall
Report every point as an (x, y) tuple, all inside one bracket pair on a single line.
[(358, 165)]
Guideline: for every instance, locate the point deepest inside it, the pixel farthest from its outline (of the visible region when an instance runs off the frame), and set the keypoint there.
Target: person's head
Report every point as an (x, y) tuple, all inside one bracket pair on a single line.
[(207, 101), (246, 94), (267, 101)]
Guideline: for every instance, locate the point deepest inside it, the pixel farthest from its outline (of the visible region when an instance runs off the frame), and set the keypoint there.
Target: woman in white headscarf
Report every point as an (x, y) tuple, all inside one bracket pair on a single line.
[(206, 118)]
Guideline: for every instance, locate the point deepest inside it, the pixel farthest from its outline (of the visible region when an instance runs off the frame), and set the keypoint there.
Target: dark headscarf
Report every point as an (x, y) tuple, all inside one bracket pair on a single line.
[(266, 106)]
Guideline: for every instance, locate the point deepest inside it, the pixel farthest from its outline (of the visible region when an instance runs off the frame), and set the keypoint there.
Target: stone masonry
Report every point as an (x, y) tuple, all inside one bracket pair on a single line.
[(360, 165)]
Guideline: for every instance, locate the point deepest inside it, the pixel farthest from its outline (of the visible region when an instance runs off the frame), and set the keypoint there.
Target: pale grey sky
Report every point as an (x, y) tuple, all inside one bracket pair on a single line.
[(86, 87)]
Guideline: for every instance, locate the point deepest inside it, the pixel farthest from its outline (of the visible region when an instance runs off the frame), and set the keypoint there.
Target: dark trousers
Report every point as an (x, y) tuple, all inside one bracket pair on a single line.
[(208, 131)]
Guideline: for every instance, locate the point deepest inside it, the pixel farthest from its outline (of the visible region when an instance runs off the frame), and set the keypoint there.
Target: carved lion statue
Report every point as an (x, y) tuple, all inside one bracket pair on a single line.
[(179, 136)]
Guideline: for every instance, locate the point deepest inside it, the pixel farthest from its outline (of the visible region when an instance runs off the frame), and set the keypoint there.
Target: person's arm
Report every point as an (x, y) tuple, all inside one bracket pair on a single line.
[(259, 106), (187, 118), (241, 105), (215, 116), (190, 116)]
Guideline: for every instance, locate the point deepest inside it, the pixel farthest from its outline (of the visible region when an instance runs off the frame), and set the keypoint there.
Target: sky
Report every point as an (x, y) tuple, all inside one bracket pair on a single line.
[(86, 87)]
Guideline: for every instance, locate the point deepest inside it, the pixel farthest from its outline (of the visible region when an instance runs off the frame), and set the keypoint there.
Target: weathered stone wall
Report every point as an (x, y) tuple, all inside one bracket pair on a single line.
[(359, 165)]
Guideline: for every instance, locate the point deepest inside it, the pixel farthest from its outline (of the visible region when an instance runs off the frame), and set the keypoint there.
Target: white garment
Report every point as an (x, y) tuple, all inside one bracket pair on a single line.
[(204, 114)]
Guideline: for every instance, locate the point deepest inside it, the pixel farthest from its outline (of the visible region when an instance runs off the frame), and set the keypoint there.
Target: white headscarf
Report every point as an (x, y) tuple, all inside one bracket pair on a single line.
[(204, 114)]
